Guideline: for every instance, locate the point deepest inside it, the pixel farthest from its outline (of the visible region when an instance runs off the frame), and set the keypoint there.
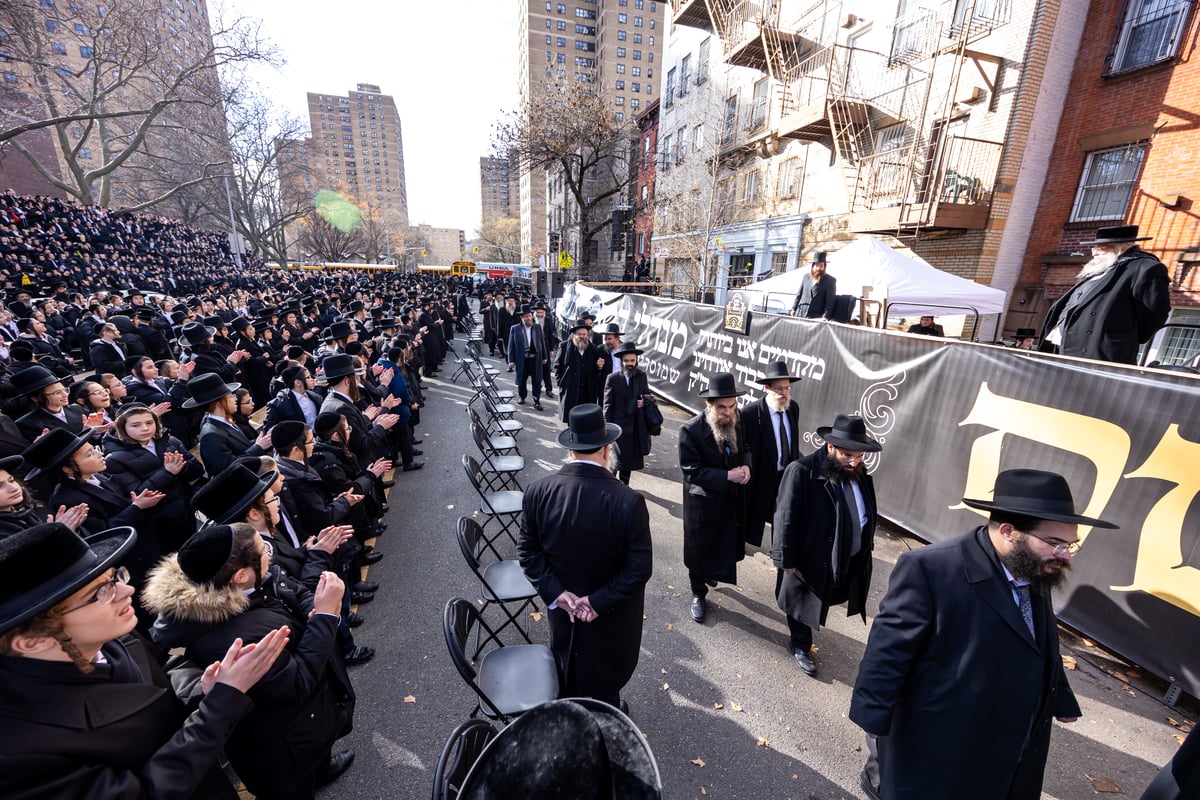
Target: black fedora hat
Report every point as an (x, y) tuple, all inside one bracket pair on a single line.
[(1025, 333), (340, 329), (524, 309), (777, 370), (1035, 493), (628, 347), (611, 329), (227, 497), (206, 388), (820, 257), (12, 464), (44, 564), (599, 754), (32, 380), (579, 323), (849, 432), (1117, 234), (194, 333), (587, 430), (721, 384), (338, 366), (51, 449), (239, 323)]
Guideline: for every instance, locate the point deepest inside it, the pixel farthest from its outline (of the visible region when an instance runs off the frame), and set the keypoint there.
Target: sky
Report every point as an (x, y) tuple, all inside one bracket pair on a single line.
[(451, 67)]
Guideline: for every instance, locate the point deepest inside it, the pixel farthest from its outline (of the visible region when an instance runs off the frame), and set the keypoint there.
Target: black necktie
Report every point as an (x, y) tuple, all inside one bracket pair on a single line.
[(1026, 603), (785, 451)]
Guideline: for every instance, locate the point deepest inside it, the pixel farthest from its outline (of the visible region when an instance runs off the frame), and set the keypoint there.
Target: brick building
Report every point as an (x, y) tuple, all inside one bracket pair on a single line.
[(1125, 152), (647, 170)]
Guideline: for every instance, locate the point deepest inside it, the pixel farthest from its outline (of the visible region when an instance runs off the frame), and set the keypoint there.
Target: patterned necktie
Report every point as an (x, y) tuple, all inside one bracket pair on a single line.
[(1026, 602)]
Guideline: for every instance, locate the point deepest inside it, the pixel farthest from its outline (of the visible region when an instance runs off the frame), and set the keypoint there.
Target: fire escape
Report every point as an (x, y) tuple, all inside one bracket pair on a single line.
[(893, 119)]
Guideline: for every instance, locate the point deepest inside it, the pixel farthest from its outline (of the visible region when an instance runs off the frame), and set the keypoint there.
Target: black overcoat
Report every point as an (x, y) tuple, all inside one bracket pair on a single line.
[(959, 692), (809, 514), (586, 532), (134, 468), (764, 464), (221, 444), (66, 734), (577, 376), (620, 408), (714, 537), (1121, 310)]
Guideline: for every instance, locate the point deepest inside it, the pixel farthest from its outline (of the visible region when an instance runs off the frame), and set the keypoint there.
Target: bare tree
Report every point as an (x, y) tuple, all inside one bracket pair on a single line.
[(500, 240), (324, 242), (380, 233), (574, 135), (120, 85)]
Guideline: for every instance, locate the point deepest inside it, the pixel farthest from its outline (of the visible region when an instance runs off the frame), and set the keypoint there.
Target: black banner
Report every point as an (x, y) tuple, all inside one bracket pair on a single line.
[(951, 415)]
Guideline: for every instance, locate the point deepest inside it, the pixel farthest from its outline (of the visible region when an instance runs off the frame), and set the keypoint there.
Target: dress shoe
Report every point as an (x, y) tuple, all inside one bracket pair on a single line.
[(868, 788), (361, 597), (413, 467), (361, 654), (805, 660), (379, 527), (373, 558), (387, 484), (537, 406), (699, 608), (417, 452), (333, 770), (354, 620), (550, 394), (385, 507), (365, 586), (521, 401)]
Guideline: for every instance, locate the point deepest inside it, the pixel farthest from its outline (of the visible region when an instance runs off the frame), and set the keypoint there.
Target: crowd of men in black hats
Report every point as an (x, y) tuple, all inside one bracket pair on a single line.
[(133, 353)]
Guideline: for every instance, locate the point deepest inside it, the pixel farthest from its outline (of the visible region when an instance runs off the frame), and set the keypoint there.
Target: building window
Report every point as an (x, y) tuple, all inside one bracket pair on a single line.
[(562, 24), (698, 137), (621, 69), (560, 8), (637, 71), (549, 24), (52, 25), (561, 42), (622, 18), (637, 55), (58, 48), (10, 77), (750, 187), (685, 74), (669, 92), (634, 103), (585, 13), (637, 22), (620, 87), (730, 119), (619, 100), (758, 113), (620, 52), (1107, 184), (637, 87), (787, 177), (549, 39), (620, 36), (637, 38), (666, 154), (1149, 33)]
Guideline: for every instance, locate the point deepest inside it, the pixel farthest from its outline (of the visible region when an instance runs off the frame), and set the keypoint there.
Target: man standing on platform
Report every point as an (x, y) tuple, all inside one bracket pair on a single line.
[(823, 534), (772, 427), (962, 672), (818, 292), (715, 463), (527, 355), (585, 544)]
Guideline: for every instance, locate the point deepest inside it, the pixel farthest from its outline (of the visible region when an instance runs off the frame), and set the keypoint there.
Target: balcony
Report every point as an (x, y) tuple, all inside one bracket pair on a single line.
[(693, 14)]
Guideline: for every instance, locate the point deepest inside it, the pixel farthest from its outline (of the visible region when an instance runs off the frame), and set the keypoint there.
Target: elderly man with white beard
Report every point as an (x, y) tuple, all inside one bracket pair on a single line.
[(714, 458), (1119, 301)]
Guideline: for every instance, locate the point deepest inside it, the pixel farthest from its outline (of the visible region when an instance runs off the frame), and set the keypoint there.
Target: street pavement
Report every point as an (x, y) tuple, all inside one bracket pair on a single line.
[(723, 705)]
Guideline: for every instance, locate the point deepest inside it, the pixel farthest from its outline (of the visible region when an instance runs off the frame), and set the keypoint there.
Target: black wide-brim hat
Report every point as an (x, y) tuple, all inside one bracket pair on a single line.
[(12, 464), (611, 329), (227, 497), (849, 432), (337, 366), (194, 333), (598, 753), (340, 329), (1117, 234), (579, 323), (627, 348), (50, 450), (44, 564), (31, 380), (777, 370), (587, 430), (721, 384), (1035, 493), (206, 388)]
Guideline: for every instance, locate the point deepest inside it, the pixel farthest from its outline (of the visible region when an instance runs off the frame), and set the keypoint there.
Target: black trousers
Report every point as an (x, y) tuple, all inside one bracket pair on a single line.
[(530, 373)]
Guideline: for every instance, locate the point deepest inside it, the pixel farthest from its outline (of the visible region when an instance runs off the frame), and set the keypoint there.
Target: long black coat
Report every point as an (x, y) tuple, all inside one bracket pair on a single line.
[(585, 532), (164, 390), (764, 464), (38, 420), (307, 499), (1121, 310), (222, 444), (620, 408), (714, 536), (368, 440), (954, 684), (821, 297), (578, 377), (284, 406), (66, 734), (809, 514), (133, 468)]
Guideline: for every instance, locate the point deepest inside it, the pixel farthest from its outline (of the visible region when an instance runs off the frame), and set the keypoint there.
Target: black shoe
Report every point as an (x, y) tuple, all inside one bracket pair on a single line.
[(379, 528), (550, 394), (521, 401), (417, 452), (354, 620), (387, 484), (805, 660), (333, 770), (361, 654), (699, 608), (416, 465), (864, 783), (372, 558), (361, 597), (623, 706), (711, 584), (385, 507), (537, 406), (365, 586)]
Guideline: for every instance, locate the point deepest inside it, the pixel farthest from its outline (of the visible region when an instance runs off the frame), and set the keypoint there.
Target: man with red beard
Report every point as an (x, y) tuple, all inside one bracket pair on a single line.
[(962, 672), (823, 534)]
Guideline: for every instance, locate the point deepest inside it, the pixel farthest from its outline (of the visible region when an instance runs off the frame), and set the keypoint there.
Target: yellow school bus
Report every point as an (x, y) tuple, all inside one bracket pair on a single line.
[(462, 268)]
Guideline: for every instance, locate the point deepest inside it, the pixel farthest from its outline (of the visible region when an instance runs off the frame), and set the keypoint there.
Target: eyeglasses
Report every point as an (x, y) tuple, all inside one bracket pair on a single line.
[(105, 592), (100, 391), (1057, 547), (273, 500), (56, 393), (850, 455)]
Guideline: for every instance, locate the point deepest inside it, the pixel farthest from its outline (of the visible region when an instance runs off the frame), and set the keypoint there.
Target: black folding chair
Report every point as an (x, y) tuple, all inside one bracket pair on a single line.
[(499, 471), (500, 416), (459, 754), (504, 505), (508, 680), (501, 582)]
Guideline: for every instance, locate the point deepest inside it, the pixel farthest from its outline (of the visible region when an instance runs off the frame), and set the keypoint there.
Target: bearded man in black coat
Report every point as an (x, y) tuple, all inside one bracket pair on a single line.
[(824, 533), (585, 545), (772, 426)]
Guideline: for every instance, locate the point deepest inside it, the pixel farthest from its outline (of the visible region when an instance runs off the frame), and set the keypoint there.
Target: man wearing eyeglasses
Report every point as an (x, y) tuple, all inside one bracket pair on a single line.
[(823, 533), (962, 672)]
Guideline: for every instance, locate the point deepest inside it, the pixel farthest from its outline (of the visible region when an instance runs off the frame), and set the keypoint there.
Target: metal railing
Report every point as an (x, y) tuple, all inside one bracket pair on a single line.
[(972, 311)]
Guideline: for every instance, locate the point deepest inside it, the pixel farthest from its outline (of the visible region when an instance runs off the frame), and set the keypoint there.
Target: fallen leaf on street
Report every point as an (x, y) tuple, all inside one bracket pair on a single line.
[(703, 790), (410, 699), (1069, 662), (670, 627), (736, 708), (699, 762), (718, 706), (666, 686), (1179, 737), (762, 742), (663, 670), (1104, 785), (537, 616), (450, 508)]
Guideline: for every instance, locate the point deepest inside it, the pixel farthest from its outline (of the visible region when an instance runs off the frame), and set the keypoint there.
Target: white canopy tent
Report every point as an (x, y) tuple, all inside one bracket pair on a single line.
[(913, 286)]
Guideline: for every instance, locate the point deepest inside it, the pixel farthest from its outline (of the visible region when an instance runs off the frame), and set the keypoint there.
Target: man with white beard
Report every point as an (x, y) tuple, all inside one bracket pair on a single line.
[(715, 463), (772, 426), (1119, 301)]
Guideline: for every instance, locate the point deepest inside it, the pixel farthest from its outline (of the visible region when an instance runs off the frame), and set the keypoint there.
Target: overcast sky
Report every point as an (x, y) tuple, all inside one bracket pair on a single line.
[(451, 66)]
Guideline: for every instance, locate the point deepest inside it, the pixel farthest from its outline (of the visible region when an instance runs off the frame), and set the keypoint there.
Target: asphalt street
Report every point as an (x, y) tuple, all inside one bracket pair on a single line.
[(723, 705)]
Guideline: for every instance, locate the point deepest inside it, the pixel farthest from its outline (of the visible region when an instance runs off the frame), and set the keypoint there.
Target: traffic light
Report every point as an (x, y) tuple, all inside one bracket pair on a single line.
[(555, 241)]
